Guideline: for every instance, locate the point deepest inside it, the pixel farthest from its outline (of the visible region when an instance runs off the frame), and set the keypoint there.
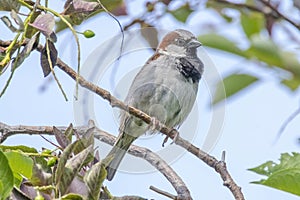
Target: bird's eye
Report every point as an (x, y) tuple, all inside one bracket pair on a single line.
[(180, 42)]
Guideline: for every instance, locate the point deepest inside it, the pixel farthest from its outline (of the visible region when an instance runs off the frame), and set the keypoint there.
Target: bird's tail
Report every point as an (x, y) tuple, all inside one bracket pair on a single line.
[(117, 153)]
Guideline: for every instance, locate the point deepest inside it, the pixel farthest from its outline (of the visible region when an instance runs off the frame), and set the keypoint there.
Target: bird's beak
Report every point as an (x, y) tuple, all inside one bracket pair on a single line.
[(194, 43)]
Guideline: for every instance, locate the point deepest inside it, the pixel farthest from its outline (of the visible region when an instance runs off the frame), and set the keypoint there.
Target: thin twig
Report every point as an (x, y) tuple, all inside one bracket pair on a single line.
[(239, 5), (275, 13), (119, 24), (159, 191), (268, 4), (290, 118)]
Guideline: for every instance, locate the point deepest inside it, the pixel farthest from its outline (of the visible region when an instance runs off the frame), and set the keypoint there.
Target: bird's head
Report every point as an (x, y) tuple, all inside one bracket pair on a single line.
[(179, 43)]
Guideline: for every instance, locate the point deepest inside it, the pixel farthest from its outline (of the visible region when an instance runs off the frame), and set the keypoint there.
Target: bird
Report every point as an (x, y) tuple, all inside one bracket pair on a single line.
[(165, 88)]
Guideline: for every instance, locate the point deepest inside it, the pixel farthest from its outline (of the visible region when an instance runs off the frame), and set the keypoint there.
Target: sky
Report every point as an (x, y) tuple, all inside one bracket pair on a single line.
[(250, 124)]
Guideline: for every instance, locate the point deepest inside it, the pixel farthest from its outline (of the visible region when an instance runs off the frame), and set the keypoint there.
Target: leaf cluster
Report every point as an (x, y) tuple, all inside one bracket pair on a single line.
[(71, 171)]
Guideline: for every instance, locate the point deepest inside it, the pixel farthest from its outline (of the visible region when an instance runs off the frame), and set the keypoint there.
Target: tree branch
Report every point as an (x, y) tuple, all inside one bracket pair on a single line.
[(275, 13), (144, 153), (268, 4), (219, 166)]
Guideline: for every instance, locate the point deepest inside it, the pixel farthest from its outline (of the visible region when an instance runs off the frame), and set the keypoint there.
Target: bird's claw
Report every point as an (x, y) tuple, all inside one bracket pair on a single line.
[(172, 134)]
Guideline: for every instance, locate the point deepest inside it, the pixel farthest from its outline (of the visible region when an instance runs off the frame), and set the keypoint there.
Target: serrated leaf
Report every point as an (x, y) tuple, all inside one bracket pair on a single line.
[(283, 176), (8, 5), (46, 66), (6, 177), (94, 179), (221, 43), (21, 166), (231, 85), (61, 138), (25, 52), (252, 23), (72, 168), (182, 13), (45, 23)]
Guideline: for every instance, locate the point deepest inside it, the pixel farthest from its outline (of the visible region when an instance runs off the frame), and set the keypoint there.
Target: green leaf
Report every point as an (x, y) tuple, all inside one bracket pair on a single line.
[(231, 85), (265, 50), (63, 160), (290, 62), (67, 168), (219, 42), (73, 166), (252, 23), (41, 172), (284, 176), (72, 196), (292, 83), (182, 13), (69, 132), (6, 177), (94, 179), (86, 140), (21, 166), (22, 148)]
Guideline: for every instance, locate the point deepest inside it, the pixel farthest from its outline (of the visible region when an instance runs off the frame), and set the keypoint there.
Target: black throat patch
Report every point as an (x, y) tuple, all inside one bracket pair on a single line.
[(188, 70)]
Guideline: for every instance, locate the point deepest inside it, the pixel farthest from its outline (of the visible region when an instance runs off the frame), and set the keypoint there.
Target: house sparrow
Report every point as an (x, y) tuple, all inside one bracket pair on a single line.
[(165, 88)]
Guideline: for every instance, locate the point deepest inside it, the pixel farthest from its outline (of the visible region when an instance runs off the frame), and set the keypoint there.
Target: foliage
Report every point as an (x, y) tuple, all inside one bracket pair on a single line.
[(73, 176), (283, 176)]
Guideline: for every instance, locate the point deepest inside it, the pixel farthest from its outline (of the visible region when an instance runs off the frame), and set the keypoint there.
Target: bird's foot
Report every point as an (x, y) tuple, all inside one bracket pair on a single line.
[(172, 134)]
